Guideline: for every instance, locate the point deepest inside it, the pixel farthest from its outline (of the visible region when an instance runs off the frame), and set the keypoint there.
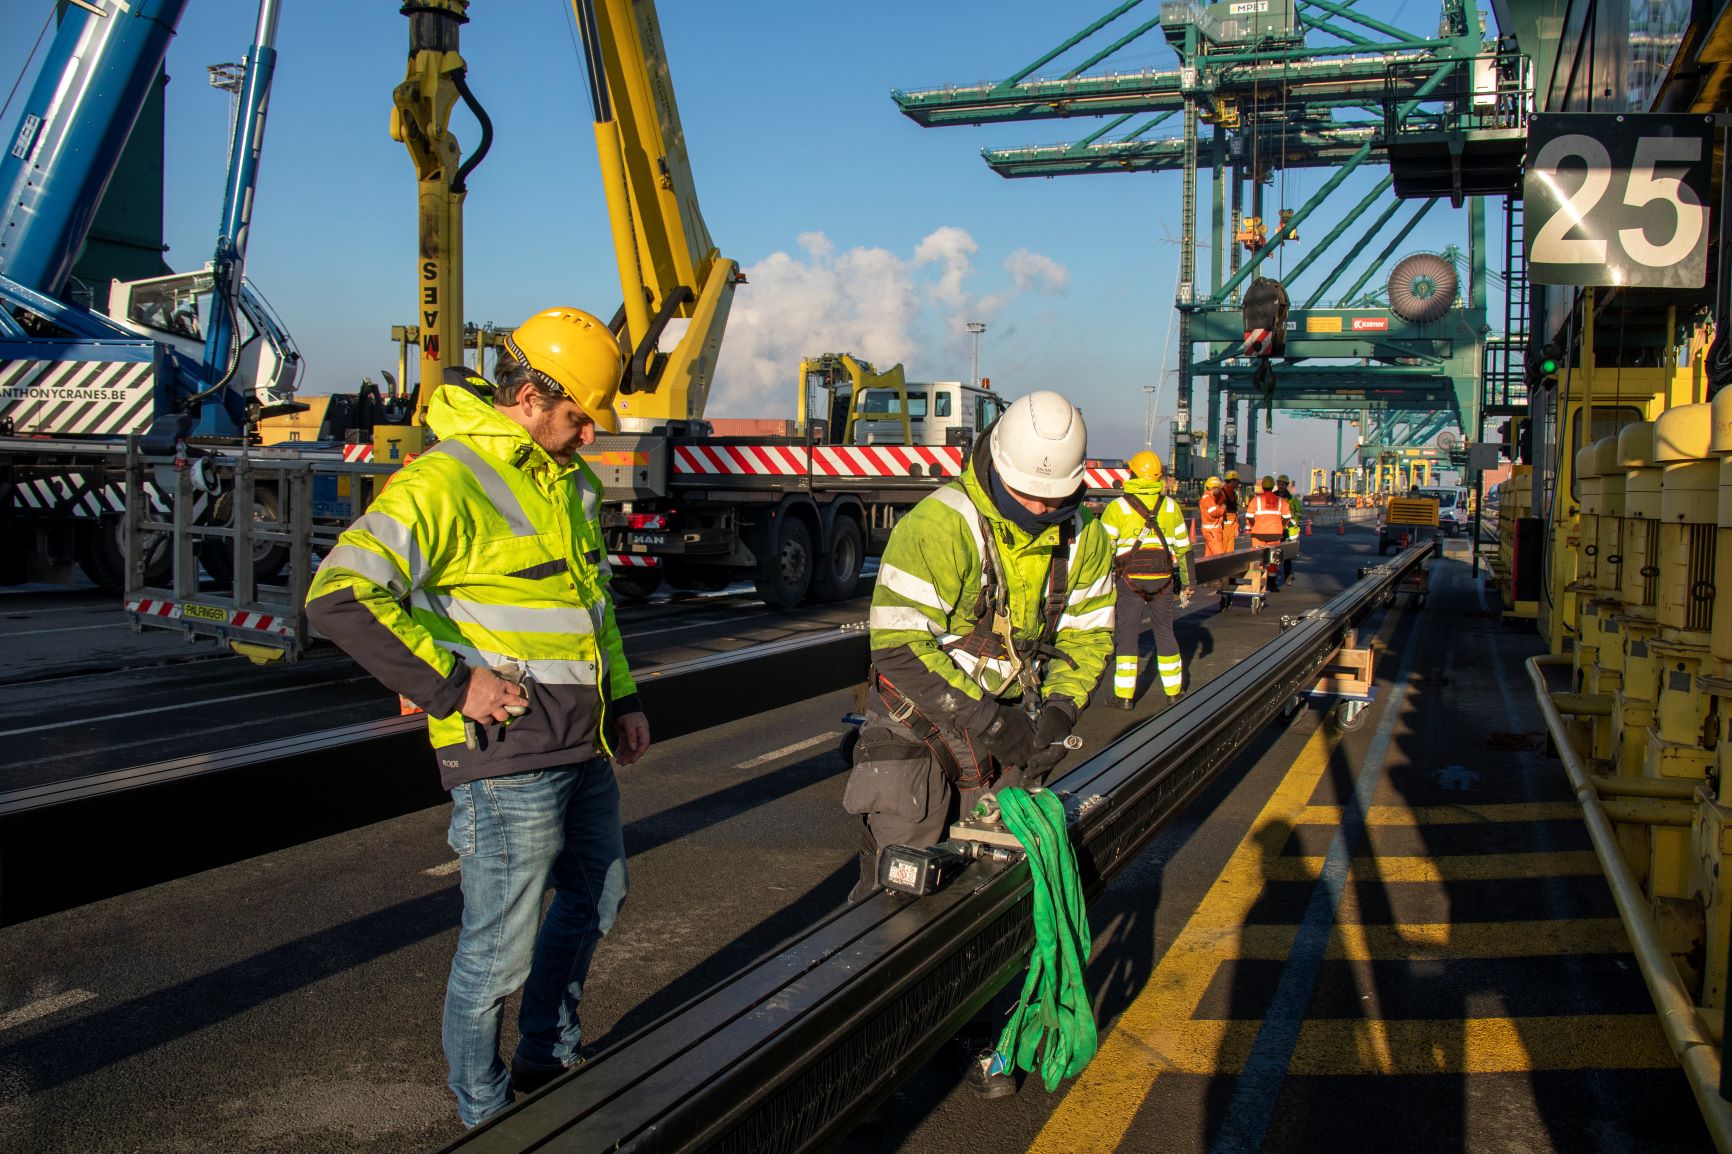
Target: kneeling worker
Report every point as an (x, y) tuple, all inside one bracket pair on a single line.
[(1151, 562), (476, 585), (991, 622)]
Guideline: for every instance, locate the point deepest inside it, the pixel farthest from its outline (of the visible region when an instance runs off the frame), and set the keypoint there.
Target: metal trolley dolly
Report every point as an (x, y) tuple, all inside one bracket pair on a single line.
[(1416, 582), (1259, 578), (1346, 678)]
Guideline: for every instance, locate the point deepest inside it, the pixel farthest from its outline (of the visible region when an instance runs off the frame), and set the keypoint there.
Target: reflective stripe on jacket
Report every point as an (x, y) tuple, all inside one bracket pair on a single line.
[(1128, 528), (1269, 514), (482, 551), (929, 581)]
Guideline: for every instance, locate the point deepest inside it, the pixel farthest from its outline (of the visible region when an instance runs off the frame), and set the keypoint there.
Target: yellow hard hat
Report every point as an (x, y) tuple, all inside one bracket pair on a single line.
[(578, 353), (1212, 483), (1283, 479), (1232, 474), (1145, 465), (1267, 482)]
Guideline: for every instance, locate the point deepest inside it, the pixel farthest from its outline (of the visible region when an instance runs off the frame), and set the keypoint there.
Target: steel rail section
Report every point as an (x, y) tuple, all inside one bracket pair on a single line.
[(62, 844), (789, 1053)]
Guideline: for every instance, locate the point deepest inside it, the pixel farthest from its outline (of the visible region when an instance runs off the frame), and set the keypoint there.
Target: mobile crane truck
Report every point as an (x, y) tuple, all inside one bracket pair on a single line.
[(127, 440)]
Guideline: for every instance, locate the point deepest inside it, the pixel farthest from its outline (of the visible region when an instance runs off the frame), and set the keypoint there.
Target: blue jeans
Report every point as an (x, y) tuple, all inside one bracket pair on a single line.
[(515, 836)]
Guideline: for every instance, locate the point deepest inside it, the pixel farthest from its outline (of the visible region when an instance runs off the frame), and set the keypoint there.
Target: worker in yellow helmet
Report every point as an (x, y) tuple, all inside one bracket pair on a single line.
[(1269, 516), (476, 585), (1284, 490), (1152, 569), (1220, 529)]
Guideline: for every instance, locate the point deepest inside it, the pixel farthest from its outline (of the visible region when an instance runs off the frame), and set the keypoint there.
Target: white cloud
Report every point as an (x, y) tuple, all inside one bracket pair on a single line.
[(867, 301)]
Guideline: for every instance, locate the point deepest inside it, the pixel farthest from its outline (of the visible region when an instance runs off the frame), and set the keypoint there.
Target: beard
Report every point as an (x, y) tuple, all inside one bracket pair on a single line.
[(560, 438)]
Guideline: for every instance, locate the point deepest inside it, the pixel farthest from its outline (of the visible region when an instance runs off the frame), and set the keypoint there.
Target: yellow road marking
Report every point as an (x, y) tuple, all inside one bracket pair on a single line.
[(1447, 814), (1405, 1047), (1450, 868), (1151, 1037), (1441, 941)]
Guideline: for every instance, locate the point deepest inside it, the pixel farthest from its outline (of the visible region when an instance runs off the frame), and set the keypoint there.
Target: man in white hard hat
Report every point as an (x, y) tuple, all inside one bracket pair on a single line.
[(991, 622)]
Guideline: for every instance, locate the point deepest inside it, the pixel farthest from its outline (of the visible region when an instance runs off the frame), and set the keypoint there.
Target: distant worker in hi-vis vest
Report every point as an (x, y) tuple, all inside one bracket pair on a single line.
[(476, 585), (1269, 514), (1284, 490), (1220, 529), (1153, 570)]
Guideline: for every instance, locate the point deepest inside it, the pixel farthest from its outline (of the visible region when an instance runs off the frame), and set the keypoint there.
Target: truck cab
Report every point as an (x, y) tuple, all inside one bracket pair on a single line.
[(939, 413), (175, 309)]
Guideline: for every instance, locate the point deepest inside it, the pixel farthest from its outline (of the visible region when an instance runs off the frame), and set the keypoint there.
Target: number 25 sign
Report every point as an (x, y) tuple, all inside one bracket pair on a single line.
[(1617, 199)]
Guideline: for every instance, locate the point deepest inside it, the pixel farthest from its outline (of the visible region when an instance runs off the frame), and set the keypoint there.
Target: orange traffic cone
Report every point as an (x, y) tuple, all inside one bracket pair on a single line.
[(1308, 526), (1341, 528)]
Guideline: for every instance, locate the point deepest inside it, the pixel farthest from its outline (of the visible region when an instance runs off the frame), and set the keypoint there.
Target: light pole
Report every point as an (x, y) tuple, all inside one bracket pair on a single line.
[(977, 327), (1149, 417)]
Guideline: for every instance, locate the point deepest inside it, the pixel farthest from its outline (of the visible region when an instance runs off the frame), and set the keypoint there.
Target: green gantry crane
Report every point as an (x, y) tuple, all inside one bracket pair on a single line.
[(1445, 112)]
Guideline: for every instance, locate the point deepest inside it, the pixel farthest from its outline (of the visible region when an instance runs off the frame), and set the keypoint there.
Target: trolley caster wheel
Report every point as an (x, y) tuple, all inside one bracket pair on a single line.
[(1348, 716), (1257, 605), (1226, 603), (1419, 602), (849, 741), (1291, 709)]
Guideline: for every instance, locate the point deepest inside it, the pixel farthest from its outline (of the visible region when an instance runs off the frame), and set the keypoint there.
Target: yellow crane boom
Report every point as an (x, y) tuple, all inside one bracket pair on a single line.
[(668, 267)]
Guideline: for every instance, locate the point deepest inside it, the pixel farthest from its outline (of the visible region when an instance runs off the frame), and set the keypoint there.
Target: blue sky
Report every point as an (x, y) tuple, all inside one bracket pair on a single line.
[(859, 230)]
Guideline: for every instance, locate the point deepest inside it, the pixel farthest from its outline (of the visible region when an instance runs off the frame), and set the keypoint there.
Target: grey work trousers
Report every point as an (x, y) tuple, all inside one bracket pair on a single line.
[(901, 793), (1129, 614)]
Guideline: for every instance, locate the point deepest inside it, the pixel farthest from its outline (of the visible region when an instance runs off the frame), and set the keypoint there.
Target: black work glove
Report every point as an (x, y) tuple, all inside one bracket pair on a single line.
[(1006, 732), (1050, 729)]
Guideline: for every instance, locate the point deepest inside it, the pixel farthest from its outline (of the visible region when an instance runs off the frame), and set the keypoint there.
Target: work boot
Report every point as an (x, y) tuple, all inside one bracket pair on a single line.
[(984, 1080), (527, 1079), (1124, 703)]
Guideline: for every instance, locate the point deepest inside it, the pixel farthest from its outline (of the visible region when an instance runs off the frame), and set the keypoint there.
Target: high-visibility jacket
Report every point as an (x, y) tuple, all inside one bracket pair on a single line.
[(483, 551), (929, 582), (1297, 509), (1128, 528), (1269, 514)]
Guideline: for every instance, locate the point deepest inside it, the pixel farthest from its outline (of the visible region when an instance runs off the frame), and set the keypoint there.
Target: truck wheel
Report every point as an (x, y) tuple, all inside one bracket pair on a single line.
[(634, 586), (270, 558), (838, 573), (787, 572), (101, 551)]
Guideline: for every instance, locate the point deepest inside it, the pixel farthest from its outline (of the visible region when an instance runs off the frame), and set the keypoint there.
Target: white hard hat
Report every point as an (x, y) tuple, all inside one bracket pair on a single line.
[(1038, 446)]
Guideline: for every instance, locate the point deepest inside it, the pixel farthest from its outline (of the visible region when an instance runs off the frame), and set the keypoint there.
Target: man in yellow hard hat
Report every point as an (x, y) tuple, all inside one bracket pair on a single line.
[(476, 585), (1235, 500), (1220, 530), (1284, 490), (1152, 570)]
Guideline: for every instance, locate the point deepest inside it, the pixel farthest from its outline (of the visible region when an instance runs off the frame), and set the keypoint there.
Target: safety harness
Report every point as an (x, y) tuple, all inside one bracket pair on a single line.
[(1144, 567), (993, 638)]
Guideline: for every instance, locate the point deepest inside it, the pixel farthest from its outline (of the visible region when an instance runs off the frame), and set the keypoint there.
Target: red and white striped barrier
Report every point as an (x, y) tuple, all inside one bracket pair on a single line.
[(729, 460), (356, 454), (150, 608), (1106, 478), (239, 619), (262, 623), (633, 561)]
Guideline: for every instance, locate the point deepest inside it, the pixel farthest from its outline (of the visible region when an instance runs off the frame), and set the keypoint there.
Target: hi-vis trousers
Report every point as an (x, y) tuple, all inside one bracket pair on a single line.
[(1133, 606)]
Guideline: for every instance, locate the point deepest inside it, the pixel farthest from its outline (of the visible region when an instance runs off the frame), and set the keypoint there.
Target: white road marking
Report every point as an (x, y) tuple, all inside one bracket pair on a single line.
[(778, 754), (199, 704), (66, 629), (43, 1007), (446, 870)]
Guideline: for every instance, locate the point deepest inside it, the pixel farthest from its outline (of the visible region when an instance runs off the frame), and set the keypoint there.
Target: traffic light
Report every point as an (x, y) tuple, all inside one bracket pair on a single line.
[(1516, 437), (1543, 365)]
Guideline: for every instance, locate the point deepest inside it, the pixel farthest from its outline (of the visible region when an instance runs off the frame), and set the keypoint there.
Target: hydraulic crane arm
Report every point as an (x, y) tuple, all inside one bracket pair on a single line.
[(668, 266), (420, 119)]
